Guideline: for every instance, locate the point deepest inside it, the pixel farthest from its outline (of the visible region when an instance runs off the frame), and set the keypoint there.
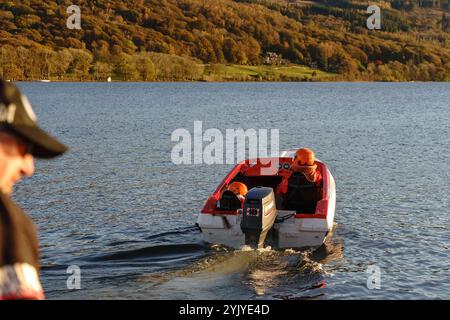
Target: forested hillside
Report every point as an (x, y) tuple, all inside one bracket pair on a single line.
[(175, 39)]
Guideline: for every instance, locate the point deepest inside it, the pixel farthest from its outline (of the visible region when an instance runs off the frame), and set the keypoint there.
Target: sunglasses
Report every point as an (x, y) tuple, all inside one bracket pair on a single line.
[(26, 148)]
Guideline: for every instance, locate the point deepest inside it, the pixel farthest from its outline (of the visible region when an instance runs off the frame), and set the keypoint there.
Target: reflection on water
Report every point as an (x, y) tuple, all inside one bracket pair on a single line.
[(332, 249)]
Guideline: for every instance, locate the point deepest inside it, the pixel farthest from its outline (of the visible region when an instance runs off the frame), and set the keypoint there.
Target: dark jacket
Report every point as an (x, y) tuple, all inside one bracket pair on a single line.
[(19, 253)]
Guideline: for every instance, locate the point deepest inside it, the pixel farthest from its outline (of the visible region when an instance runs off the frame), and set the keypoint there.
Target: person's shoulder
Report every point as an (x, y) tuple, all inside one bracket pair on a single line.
[(8, 205), (12, 214)]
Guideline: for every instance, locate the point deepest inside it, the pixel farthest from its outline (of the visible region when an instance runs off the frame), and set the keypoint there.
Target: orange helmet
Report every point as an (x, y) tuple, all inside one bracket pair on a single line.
[(304, 156), (238, 188)]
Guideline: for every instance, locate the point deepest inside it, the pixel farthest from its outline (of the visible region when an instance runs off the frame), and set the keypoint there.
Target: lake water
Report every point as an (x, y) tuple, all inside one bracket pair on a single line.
[(117, 207)]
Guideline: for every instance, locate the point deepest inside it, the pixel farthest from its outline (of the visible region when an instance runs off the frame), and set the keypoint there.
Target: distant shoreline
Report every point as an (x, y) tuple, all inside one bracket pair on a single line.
[(226, 81), (225, 73)]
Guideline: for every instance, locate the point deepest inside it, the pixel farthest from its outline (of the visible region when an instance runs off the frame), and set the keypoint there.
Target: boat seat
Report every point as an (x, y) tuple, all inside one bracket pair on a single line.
[(229, 201), (301, 194)]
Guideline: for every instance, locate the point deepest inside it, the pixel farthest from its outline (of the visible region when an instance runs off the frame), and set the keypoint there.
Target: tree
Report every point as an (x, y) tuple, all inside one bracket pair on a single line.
[(81, 61), (44, 62), (145, 67), (231, 50), (8, 58), (24, 63), (252, 50), (62, 61), (101, 70), (126, 67), (341, 62)]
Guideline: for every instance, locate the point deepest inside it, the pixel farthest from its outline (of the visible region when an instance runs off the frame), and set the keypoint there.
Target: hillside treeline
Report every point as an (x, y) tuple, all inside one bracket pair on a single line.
[(80, 65), (170, 39)]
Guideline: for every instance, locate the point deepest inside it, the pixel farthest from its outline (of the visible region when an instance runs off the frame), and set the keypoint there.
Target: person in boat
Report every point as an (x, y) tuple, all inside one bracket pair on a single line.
[(233, 197), (20, 140), (239, 189), (303, 162)]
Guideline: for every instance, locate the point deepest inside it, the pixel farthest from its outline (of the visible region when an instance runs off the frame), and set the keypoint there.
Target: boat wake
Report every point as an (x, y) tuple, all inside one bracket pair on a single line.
[(161, 268), (254, 274)]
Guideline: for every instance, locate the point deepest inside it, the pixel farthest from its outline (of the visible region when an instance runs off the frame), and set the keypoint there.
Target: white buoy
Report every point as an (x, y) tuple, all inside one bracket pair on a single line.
[(109, 79)]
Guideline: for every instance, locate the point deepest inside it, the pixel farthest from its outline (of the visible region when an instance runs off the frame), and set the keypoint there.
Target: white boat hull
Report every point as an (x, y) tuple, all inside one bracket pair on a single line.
[(292, 233)]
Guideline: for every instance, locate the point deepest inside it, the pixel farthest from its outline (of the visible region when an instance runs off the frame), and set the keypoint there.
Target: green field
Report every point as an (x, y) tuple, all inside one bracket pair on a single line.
[(233, 72)]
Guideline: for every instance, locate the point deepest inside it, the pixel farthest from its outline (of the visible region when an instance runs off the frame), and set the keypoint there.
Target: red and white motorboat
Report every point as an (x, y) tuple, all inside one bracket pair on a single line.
[(291, 221)]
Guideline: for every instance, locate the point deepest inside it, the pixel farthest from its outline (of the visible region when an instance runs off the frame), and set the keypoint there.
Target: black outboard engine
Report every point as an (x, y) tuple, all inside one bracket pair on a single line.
[(258, 215)]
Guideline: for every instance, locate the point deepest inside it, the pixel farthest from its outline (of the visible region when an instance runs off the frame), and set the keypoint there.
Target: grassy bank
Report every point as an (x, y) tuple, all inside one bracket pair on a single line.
[(234, 72)]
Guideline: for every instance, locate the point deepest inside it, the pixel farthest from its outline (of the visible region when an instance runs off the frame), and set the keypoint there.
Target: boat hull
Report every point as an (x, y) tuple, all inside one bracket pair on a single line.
[(292, 233)]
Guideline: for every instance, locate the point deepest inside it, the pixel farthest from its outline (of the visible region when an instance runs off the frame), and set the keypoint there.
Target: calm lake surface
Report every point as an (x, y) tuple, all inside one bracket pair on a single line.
[(117, 207)]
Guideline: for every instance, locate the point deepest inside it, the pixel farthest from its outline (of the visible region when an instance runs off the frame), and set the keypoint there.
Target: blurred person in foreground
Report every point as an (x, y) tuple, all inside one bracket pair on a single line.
[(20, 141)]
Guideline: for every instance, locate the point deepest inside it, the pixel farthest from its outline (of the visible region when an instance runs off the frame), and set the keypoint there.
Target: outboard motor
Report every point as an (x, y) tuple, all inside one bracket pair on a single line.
[(258, 215)]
